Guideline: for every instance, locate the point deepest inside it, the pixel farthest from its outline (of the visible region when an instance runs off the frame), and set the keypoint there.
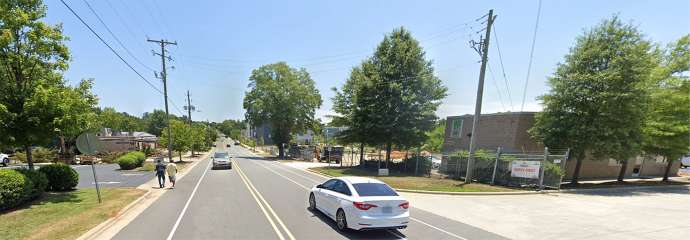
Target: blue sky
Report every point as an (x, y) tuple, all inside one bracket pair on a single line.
[(220, 42)]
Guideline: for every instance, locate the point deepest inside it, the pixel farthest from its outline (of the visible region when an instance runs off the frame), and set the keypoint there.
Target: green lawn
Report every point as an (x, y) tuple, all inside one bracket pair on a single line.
[(65, 215), (414, 182)]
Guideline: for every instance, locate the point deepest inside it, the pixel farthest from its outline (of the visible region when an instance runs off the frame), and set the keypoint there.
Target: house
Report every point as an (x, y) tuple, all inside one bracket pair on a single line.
[(113, 141), (509, 131)]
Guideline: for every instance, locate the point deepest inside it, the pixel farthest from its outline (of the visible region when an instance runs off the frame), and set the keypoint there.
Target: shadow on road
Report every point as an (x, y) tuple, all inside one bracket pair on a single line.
[(352, 234)]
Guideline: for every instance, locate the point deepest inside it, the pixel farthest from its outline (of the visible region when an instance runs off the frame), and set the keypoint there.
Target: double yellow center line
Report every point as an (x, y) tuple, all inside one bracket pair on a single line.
[(263, 204)]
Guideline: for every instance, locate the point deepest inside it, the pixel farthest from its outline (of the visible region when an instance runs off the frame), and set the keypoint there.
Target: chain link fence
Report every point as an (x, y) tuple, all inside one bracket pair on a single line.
[(540, 170)]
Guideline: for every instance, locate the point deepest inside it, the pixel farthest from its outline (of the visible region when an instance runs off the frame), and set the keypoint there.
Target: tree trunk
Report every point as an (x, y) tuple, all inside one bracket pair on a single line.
[(361, 154), (624, 167), (281, 151), (389, 146), (578, 165), (180, 156), (29, 157), (668, 169)]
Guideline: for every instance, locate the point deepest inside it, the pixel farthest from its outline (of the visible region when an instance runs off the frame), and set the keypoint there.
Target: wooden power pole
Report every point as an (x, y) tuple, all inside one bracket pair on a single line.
[(483, 49), (163, 77)]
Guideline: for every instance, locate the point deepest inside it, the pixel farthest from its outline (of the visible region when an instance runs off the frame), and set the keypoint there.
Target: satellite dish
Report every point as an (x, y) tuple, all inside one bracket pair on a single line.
[(88, 143)]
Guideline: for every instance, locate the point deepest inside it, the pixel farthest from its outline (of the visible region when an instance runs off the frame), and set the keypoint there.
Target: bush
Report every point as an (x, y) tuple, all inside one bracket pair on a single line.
[(139, 156), (39, 181), (111, 157), (61, 177), (14, 188), (148, 167), (127, 162), (39, 155)]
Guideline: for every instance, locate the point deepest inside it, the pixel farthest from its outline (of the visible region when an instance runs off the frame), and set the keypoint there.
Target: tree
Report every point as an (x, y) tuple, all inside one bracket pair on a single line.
[(597, 99), (434, 142), (283, 97), (77, 106), (120, 121), (199, 137), (182, 139), (32, 55), (667, 125), (155, 121), (392, 96)]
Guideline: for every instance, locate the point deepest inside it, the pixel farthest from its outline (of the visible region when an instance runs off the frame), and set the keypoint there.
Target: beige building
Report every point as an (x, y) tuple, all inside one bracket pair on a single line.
[(126, 141)]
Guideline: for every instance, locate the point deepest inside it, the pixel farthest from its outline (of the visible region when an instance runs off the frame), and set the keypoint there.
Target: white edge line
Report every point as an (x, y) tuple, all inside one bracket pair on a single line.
[(179, 218), (444, 231)]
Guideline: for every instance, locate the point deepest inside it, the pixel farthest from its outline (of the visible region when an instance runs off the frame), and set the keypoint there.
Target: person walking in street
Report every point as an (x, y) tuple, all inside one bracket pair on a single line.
[(171, 169), (160, 173)]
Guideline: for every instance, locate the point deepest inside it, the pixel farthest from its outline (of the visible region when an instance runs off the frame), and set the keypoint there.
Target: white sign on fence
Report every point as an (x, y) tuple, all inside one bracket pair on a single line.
[(525, 169)]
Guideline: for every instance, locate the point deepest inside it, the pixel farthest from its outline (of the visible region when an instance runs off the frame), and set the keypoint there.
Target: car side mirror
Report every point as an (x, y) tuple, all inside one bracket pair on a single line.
[(319, 186)]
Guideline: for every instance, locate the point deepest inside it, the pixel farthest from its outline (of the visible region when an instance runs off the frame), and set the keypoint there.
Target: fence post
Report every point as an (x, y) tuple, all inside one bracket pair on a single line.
[(563, 164), (498, 156), (542, 168)]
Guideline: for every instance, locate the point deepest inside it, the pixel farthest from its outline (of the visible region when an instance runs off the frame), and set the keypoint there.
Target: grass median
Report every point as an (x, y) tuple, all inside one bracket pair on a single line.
[(64, 215), (403, 181)]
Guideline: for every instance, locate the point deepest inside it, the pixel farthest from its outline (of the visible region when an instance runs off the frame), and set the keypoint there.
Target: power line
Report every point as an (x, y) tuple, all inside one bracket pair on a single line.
[(503, 69), (124, 23), (115, 37), (531, 56), (493, 79), (109, 47)]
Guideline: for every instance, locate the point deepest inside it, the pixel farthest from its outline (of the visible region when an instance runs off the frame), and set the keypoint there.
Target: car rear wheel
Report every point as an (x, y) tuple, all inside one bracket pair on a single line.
[(340, 220), (312, 202)]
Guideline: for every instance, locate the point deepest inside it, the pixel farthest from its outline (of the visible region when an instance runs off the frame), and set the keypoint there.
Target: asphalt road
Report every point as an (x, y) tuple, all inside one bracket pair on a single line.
[(109, 176), (263, 199)]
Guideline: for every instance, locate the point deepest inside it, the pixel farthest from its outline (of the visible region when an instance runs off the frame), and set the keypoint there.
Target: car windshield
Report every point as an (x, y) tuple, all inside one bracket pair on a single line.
[(374, 189), (220, 155)]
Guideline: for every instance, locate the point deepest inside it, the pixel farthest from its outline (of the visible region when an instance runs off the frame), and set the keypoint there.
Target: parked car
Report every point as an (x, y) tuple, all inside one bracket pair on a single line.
[(237, 142), (221, 160), (228, 145), (360, 203), (685, 161), (4, 159)]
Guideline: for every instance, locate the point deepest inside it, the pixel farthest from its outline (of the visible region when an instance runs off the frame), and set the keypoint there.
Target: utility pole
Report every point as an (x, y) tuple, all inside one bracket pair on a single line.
[(483, 49), (189, 109), (163, 77)]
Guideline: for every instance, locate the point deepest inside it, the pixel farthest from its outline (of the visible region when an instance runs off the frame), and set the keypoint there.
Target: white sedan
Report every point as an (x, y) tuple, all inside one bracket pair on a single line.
[(360, 203)]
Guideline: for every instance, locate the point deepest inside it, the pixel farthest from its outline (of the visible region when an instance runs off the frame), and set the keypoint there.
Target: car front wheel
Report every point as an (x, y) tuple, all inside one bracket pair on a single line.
[(312, 202), (340, 220)]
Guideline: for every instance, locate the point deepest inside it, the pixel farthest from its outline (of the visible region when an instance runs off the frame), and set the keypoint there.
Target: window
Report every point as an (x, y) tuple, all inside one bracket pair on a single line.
[(220, 155), (456, 128), (341, 187), (374, 189), (329, 184)]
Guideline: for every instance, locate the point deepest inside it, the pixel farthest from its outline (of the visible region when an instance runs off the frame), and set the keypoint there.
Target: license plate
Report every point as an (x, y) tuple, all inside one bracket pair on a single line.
[(387, 209)]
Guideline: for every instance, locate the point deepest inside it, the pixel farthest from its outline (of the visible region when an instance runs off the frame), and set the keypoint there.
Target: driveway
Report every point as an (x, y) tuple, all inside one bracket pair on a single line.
[(643, 213)]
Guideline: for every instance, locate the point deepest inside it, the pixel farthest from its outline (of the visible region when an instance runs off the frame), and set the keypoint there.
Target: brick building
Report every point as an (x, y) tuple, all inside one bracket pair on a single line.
[(509, 131)]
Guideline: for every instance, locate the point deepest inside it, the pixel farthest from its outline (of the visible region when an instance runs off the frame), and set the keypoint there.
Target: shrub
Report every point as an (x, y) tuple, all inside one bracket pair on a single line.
[(127, 162), (111, 157), (38, 155), (39, 181), (14, 188), (139, 156), (148, 167), (61, 177)]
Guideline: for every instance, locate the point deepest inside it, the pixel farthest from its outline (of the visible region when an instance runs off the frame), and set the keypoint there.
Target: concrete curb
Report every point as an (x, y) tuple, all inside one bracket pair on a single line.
[(455, 193), (584, 190), (93, 233)]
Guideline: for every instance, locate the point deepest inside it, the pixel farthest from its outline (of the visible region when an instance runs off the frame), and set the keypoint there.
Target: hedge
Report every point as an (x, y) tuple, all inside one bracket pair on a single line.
[(39, 181), (61, 177), (14, 188)]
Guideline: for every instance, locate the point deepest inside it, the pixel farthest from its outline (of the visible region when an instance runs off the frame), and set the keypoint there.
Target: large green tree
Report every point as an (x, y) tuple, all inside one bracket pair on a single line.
[(32, 57), (120, 121), (182, 137), (155, 121), (667, 125), (283, 97), (596, 105), (77, 106), (391, 99)]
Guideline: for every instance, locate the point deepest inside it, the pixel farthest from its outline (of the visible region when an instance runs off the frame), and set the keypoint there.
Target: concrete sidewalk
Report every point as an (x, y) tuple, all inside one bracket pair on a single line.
[(656, 213)]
